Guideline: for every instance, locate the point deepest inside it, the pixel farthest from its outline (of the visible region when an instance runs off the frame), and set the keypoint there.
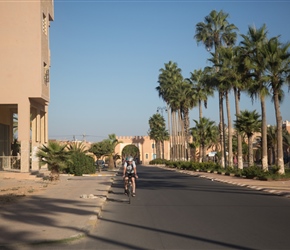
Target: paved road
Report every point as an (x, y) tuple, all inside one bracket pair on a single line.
[(178, 211)]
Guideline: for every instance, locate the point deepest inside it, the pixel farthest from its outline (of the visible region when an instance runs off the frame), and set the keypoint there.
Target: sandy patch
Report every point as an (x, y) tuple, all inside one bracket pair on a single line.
[(12, 189)]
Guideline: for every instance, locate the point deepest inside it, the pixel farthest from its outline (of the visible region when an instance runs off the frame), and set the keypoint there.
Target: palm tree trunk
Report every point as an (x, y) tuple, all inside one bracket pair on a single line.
[(170, 133), (174, 151), (180, 136), (271, 156), (280, 160), (187, 135), (183, 137), (230, 131), (200, 116), (194, 154), (221, 128), (264, 135), (157, 149), (251, 157), (239, 137), (276, 154), (200, 109)]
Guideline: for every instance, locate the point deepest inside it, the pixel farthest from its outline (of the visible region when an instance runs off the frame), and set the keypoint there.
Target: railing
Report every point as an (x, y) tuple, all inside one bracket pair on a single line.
[(10, 163)]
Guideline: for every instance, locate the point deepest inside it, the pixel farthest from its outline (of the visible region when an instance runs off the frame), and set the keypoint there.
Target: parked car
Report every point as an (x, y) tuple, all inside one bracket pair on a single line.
[(100, 163)]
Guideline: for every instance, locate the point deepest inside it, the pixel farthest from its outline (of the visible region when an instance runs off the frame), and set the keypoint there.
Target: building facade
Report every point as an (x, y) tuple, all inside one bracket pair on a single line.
[(24, 79), (146, 146)]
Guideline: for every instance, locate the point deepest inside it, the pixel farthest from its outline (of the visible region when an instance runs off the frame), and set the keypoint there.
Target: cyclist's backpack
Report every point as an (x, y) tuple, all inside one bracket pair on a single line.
[(129, 168)]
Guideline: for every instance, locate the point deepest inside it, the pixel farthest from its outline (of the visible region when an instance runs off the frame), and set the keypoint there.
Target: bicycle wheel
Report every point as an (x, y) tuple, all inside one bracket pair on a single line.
[(130, 191)]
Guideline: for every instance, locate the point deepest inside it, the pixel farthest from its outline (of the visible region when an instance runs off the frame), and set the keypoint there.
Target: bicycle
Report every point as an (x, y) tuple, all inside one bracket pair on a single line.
[(130, 188)]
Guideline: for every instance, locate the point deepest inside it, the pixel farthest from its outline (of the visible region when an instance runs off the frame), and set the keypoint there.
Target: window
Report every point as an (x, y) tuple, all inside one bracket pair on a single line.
[(46, 76), (44, 24), (146, 156), (46, 73)]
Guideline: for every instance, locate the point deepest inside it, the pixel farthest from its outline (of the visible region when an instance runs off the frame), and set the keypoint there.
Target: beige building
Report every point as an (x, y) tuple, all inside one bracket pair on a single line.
[(24, 79), (146, 146)]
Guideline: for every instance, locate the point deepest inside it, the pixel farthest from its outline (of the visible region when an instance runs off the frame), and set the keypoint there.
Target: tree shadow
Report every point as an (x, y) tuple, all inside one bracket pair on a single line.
[(58, 213)]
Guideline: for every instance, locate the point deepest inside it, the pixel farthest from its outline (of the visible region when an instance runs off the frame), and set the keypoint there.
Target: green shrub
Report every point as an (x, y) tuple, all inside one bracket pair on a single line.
[(249, 172), (194, 166), (238, 172), (81, 164), (274, 169), (186, 165), (252, 172), (158, 161)]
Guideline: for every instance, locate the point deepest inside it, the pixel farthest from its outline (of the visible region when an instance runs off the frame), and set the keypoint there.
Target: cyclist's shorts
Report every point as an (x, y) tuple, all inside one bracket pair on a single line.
[(129, 174)]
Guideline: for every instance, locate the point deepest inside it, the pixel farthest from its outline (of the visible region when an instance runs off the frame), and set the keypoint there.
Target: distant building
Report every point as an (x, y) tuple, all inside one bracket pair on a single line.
[(145, 145), (24, 77), (286, 124)]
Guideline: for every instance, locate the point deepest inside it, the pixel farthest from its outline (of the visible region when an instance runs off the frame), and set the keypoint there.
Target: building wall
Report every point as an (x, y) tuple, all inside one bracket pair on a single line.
[(145, 145), (24, 68), (24, 49), (286, 124)]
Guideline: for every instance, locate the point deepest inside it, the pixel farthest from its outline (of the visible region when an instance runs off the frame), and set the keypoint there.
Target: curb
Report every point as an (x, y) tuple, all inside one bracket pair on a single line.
[(93, 219), (198, 174), (268, 190), (88, 226)]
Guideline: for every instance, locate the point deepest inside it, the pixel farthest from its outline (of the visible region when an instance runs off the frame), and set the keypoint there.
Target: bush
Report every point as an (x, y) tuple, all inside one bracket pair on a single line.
[(194, 166), (252, 172), (158, 161), (249, 172), (274, 169), (81, 164)]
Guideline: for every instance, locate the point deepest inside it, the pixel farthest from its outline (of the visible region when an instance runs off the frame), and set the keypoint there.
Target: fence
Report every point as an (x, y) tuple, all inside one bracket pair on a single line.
[(10, 163)]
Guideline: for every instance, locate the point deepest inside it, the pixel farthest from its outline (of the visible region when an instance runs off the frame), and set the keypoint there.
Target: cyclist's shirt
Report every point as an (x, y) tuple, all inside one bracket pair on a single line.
[(130, 167)]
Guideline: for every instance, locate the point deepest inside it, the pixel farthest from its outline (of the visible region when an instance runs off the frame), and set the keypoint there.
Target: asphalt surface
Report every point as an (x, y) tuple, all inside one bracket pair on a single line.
[(71, 209), (179, 211)]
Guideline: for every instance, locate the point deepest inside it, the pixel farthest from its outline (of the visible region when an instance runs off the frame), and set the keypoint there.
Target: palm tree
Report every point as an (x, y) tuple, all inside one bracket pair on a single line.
[(15, 147), (248, 122), (195, 143), (229, 78), (278, 72), (77, 147), (201, 90), (113, 142), (116, 157), (177, 121), (158, 133), (206, 133), (15, 123), (216, 32), (169, 78), (187, 102), (272, 144), (255, 64), (56, 157)]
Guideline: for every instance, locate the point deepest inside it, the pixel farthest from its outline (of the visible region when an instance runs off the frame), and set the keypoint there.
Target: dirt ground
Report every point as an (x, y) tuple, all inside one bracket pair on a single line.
[(17, 186)]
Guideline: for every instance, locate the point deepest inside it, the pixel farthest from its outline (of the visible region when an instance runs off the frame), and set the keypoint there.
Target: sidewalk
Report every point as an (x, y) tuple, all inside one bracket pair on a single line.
[(64, 210), (69, 208)]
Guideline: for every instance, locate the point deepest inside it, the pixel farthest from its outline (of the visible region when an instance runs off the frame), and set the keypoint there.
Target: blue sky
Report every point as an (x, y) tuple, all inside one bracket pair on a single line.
[(106, 56)]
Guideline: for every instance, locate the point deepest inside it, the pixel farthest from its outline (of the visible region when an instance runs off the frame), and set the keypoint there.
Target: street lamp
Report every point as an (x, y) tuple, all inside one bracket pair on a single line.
[(161, 109)]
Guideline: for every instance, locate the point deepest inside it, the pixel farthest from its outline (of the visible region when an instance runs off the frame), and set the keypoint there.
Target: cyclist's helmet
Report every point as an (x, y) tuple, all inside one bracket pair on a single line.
[(130, 158)]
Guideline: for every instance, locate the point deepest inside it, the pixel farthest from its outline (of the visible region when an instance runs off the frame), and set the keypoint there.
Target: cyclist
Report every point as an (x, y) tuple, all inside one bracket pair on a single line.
[(130, 170)]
